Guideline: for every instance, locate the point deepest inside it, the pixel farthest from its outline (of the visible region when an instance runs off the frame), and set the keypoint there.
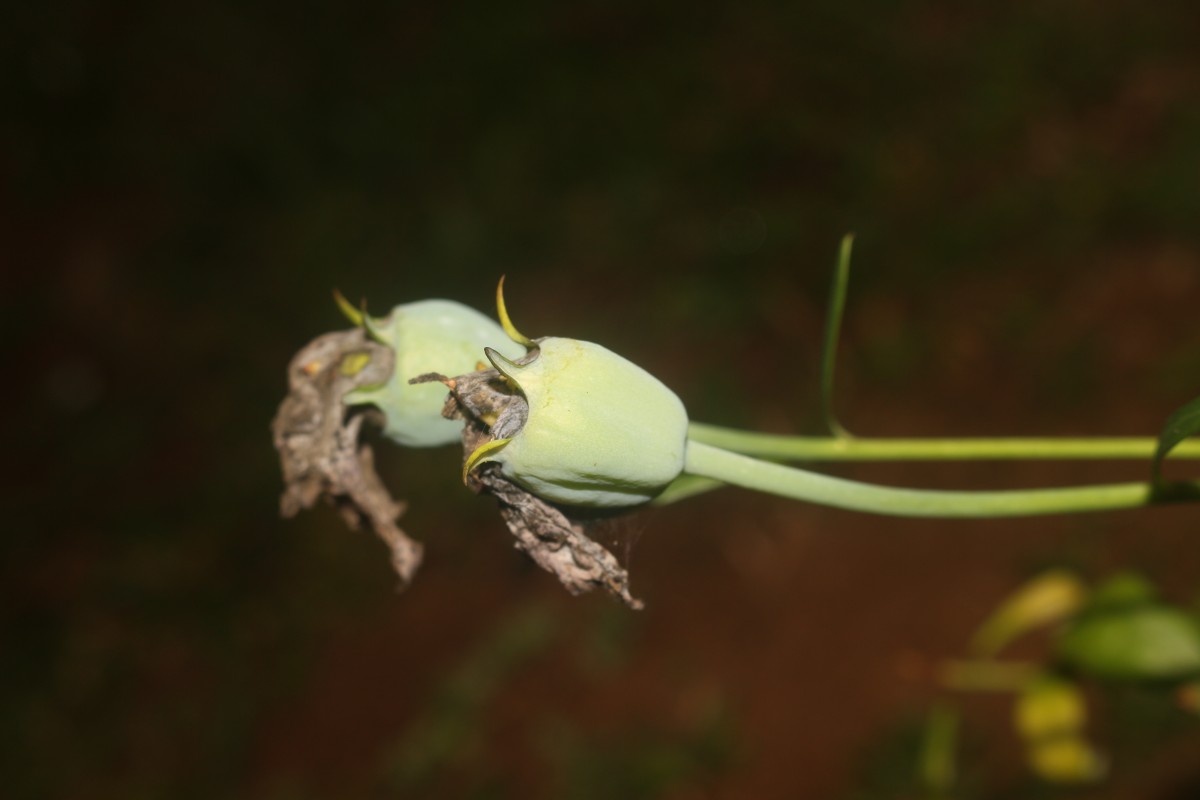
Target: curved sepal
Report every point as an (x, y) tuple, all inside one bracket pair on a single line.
[(482, 455), (505, 366), (506, 322)]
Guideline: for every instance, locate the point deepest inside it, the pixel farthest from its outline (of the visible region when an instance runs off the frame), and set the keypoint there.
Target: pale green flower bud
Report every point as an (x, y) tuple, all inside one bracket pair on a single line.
[(600, 431), (427, 336)]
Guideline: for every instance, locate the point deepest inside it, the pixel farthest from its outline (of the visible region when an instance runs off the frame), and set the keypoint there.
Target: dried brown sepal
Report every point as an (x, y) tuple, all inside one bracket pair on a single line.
[(552, 538), (317, 440)]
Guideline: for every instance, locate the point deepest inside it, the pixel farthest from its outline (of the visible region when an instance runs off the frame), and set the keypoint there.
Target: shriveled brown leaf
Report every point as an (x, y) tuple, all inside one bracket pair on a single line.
[(316, 435)]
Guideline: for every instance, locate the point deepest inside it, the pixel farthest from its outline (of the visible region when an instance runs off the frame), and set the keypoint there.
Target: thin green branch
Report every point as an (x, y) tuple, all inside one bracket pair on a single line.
[(738, 470), (989, 676), (827, 448)]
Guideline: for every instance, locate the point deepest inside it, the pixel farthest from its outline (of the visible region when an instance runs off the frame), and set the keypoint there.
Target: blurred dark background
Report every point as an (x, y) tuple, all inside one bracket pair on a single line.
[(182, 184)]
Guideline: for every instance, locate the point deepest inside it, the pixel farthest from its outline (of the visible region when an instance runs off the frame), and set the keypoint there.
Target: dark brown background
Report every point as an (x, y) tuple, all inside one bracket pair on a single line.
[(182, 184)]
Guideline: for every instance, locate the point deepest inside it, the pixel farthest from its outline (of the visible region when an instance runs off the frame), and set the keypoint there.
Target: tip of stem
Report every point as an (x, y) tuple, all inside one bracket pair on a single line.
[(348, 310)]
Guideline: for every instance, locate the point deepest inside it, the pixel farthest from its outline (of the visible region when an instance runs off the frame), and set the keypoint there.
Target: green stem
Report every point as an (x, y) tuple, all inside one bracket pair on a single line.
[(850, 448), (738, 470)]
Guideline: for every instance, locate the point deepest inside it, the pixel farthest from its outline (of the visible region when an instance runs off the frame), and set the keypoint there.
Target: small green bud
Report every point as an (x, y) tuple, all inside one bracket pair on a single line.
[(600, 431), (1067, 760), (427, 336), (1048, 707)]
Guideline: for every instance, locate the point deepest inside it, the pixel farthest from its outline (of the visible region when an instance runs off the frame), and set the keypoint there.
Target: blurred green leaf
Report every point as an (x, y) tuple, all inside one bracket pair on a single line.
[(446, 738), (1123, 590), (833, 328), (1183, 423), (643, 763), (1047, 598), (1139, 643)]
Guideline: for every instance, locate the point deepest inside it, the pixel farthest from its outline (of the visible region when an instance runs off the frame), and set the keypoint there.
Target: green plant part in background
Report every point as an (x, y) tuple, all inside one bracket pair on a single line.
[(1150, 642), (1115, 636), (598, 430), (1050, 715), (427, 336), (1045, 600)]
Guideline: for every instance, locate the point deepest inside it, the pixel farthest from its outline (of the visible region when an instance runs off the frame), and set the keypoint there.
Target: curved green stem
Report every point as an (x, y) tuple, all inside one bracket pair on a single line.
[(850, 448), (706, 461)]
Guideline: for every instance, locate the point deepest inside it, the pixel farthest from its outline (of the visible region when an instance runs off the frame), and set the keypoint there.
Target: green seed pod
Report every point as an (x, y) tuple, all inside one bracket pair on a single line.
[(427, 336), (600, 431)]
